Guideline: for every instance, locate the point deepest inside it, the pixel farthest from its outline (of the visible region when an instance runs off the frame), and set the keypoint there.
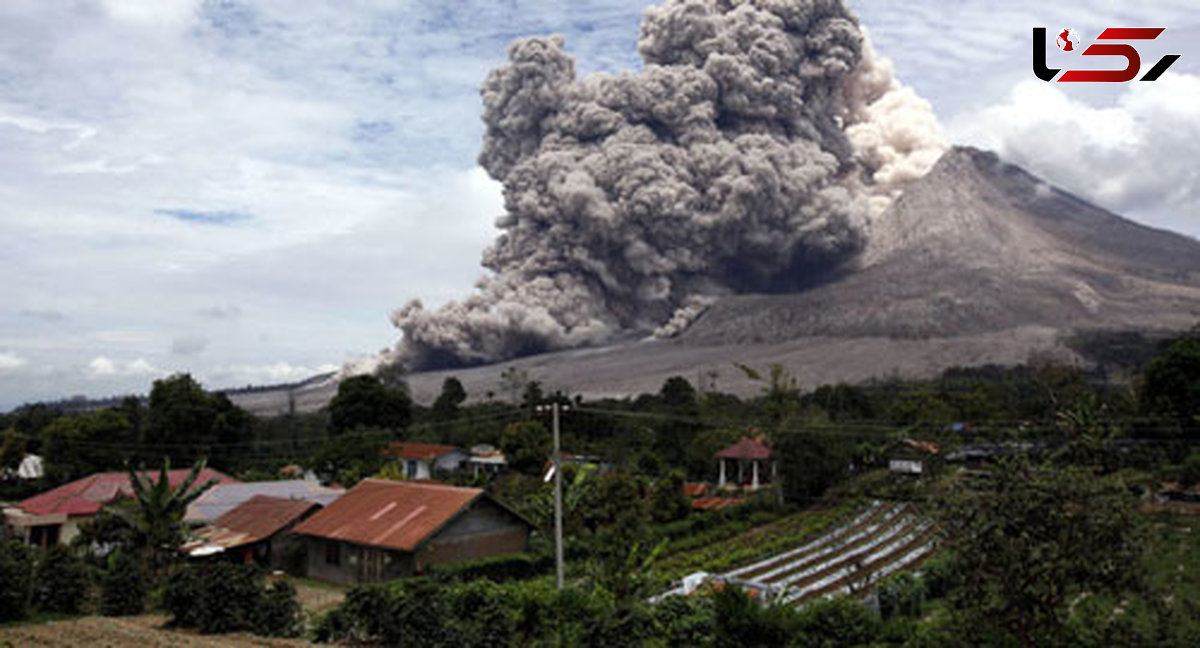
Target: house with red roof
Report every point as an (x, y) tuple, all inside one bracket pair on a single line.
[(753, 462), (381, 530), (55, 516), (421, 460)]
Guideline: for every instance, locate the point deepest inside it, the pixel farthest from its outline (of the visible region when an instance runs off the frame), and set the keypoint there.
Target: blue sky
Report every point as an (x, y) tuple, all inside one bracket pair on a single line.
[(244, 190)]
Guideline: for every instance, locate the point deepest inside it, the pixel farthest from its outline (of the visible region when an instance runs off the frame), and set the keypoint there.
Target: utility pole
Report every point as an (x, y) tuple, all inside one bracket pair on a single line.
[(558, 511)]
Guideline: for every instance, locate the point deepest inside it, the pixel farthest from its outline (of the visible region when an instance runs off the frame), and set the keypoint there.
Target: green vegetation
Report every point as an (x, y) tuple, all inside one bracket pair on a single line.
[(221, 597), (1042, 541)]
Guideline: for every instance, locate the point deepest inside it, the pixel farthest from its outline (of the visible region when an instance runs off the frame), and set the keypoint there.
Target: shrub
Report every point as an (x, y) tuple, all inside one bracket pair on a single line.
[(16, 578), (901, 594), (123, 586), (279, 613), (494, 568), (223, 597), (62, 582), (840, 621)]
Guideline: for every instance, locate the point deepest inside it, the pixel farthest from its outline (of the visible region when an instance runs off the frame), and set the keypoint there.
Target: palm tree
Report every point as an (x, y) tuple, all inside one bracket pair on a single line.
[(156, 511)]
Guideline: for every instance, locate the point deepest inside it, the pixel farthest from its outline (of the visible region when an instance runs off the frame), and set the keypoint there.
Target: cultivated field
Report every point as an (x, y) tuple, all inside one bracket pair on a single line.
[(124, 632), (883, 539)]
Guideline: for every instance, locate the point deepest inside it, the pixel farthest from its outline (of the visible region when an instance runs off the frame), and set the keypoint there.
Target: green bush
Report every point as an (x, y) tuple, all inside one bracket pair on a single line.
[(123, 586), (61, 584), (16, 578), (279, 613), (901, 594), (495, 568), (223, 597), (840, 621)]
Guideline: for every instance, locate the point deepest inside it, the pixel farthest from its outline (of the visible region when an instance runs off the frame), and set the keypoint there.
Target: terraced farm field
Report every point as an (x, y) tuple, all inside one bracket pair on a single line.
[(883, 538)]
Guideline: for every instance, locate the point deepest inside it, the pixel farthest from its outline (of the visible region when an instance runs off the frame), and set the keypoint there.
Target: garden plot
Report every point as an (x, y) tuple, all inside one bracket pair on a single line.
[(882, 539)]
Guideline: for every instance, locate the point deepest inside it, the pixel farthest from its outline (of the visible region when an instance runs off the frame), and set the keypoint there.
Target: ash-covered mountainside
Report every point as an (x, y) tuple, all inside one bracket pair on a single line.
[(980, 245)]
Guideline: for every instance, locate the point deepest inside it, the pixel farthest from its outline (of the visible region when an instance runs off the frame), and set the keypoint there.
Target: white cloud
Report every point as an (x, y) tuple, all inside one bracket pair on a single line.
[(1137, 156), (11, 361), (102, 366)]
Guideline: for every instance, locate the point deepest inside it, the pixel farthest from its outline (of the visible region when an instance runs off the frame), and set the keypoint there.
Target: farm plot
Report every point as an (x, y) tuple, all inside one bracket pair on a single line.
[(882, 539)]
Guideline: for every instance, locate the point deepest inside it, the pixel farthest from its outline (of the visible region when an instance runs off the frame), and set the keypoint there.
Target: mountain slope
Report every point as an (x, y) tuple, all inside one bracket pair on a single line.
[(978, 245)]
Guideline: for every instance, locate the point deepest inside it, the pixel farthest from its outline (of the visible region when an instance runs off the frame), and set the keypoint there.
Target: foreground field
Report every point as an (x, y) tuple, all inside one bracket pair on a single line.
[(125, 632)]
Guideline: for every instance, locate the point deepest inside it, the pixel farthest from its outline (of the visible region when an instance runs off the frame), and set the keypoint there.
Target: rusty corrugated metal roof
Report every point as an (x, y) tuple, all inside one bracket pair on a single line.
[(421, 451), (258, 518), (393, 514)]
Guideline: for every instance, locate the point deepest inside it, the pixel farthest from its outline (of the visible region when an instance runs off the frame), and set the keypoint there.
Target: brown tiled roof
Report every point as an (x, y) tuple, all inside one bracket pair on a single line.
[(746, 449), (393, 514), (421, 451)]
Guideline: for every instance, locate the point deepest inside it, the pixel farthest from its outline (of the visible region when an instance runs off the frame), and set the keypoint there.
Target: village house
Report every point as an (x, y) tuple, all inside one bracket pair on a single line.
[(222, 498), (912, 457), (485, 460), (423, 460), (752, 462), (55, 516), (381, 530), (255, 531)]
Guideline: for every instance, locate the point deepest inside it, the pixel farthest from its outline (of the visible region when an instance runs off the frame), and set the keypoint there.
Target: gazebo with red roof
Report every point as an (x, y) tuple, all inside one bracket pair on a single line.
[(747, 451)]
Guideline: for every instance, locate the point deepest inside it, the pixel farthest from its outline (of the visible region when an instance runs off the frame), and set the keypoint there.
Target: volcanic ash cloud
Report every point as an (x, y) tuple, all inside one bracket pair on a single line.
[(749, 155)]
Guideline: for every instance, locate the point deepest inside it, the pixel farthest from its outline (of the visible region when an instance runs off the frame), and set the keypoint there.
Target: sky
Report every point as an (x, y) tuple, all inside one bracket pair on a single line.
[(246, 190)]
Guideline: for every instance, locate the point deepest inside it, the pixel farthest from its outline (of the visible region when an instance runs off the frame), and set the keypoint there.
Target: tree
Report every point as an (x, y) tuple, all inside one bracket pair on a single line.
[(352, 456), (1171, 384), (80, 445), (1027, 541), (678, 393), (526, 446), (363, 401), (445, 408), (182, 414), (157, 510), (180, 411), (16, 578), (12, 451), (809, 463)]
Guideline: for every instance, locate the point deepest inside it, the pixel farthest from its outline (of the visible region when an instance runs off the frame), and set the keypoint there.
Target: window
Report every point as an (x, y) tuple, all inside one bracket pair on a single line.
[(333, 553), (44, 536)]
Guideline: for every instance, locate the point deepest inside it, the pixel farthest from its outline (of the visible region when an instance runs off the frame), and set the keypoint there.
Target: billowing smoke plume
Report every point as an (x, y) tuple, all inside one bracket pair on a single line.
[(748, 155)]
